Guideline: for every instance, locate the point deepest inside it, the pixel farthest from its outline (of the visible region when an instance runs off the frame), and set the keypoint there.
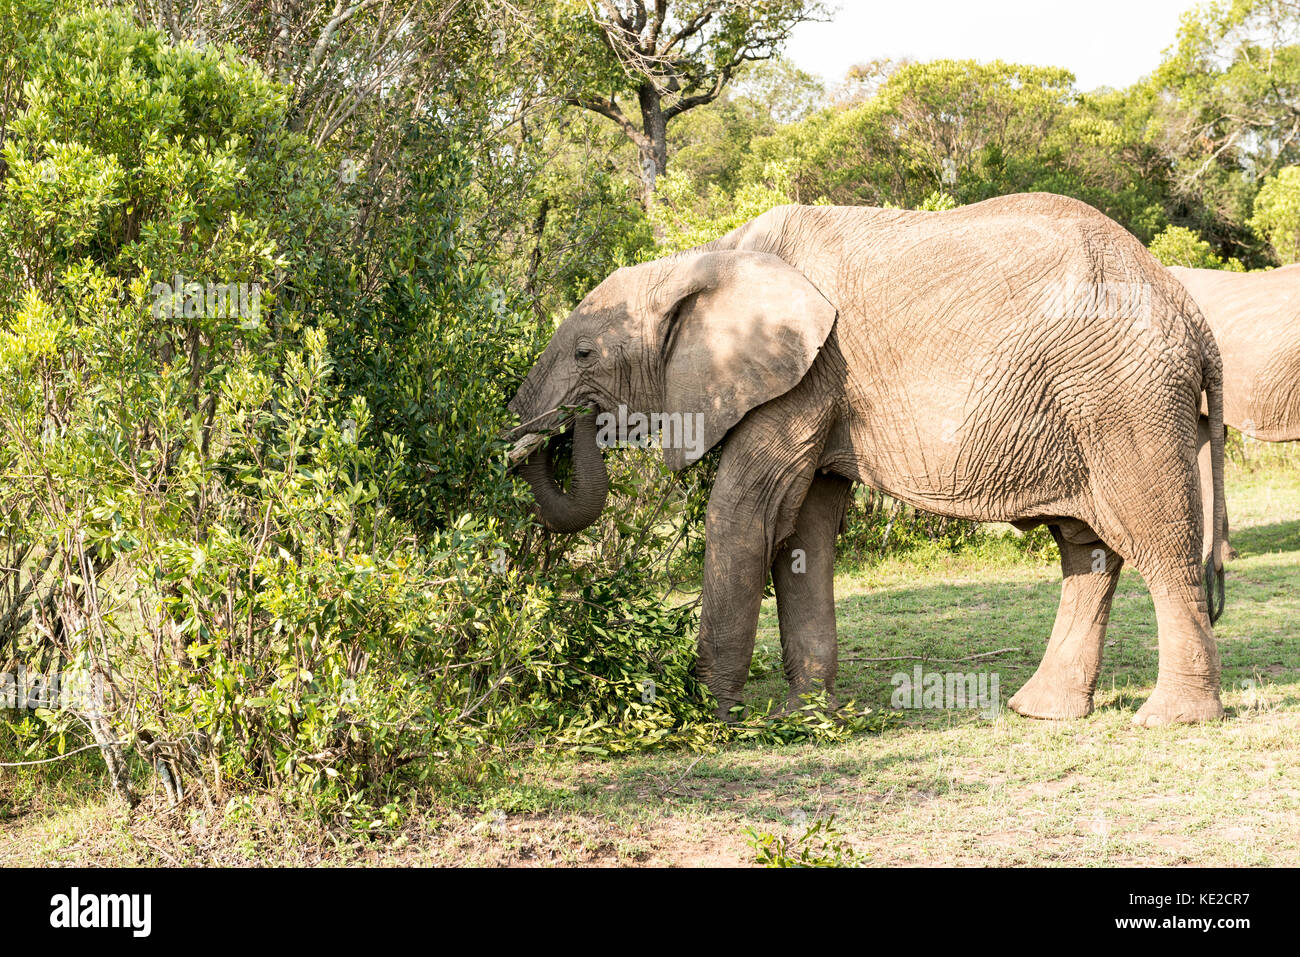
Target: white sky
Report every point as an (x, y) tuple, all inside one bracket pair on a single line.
[(1103, 42)]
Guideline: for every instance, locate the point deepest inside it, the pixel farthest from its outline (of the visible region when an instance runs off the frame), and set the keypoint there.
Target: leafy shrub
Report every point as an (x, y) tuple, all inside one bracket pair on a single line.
[(689, 214), (1276, 219), (877, 525), (281, 536), (1180, 246)]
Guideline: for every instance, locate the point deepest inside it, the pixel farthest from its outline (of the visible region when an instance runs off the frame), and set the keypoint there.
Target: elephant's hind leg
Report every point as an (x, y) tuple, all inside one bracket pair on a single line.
[(1187, 685), (1064, 683), (803, 573), (1168, 556)]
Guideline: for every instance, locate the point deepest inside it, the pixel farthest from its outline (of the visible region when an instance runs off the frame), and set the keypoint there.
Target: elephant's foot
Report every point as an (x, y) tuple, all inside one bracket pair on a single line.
[(1165, 707), (1052, 699), (728, 711)]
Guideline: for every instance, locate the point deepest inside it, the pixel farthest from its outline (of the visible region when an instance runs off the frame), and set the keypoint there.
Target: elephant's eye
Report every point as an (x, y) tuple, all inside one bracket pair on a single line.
[(583, 352)]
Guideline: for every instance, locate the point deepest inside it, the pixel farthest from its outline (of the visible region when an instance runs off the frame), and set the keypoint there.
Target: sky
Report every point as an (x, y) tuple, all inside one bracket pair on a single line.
[(1103, 42)]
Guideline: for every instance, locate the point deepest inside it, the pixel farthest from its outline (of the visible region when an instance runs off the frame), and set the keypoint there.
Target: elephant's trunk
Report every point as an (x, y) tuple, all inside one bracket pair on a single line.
[(574, 510)]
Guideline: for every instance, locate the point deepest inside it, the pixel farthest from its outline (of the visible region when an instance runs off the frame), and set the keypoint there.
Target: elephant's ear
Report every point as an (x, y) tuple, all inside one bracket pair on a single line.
[(738, 329)]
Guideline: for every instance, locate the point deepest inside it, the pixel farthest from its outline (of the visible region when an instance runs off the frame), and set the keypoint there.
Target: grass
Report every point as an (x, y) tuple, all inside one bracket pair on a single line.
[(937, 787)]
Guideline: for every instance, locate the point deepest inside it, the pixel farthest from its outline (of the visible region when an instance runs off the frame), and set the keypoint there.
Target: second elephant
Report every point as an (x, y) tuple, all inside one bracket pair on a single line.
[(1255, 318)]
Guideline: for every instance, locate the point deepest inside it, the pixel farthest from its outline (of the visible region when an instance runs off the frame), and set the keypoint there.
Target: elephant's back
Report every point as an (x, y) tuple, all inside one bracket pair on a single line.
[(987, 347), (995, 273), (1025, 287)]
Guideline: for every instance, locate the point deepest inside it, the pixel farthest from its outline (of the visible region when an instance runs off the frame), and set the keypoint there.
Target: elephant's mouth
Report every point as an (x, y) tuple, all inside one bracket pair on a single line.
[(534, 432)]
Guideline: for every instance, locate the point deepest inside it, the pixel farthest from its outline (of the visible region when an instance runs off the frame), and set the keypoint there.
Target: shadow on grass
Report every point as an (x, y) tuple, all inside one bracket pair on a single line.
[(941, 627), (1264, 539), (922, 623), (958, 628)]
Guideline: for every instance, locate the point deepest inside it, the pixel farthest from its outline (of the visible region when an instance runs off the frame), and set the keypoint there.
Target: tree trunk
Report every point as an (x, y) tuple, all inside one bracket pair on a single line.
[(652, 147)]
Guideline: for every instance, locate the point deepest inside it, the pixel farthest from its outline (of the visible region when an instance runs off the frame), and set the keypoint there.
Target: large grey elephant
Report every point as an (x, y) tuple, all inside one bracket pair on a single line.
[(1255, 318), (1022, 360)]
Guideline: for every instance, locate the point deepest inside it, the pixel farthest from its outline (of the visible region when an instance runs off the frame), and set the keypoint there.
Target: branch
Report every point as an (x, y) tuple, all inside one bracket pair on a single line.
[(656, 23), (983, 654), (692, 27), (340, 17), (58, 757), (616, 14), (610, 110), (699, 99)]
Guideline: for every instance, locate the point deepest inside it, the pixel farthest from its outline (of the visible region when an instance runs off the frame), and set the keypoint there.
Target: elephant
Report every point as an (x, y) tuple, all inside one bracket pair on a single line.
[(1255, 318), (1022, 359)]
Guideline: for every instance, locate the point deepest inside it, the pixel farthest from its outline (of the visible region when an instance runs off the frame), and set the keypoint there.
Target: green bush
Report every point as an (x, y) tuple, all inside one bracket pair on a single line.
[(1276, 218), (250, 479), (1180, 246), (821, 844)]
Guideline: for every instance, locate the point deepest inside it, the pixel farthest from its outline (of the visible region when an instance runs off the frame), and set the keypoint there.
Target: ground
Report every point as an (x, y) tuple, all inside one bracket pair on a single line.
[(936, 787)]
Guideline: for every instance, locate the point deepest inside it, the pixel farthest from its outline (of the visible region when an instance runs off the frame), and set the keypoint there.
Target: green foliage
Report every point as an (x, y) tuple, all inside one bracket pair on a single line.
[(618, 674), (277, 527), (1277, 214), (938, 201), (711, 145), (971, 131), (1223, 115), (876, 525), (688, 215), (291, 534), (211, 540), (418, 345), (1179, 246), (584, 216)]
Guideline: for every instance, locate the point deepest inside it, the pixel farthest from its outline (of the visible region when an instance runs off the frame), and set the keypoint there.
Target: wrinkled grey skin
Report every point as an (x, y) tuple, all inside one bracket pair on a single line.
[(935, 357), (1255, 318)]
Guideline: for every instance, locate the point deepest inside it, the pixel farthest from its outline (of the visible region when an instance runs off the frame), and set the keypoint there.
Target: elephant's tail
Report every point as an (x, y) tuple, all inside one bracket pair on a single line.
[(1212, 383)]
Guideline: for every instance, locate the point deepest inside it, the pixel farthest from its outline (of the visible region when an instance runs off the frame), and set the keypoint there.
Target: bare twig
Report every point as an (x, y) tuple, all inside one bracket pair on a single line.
[(60, 757), (689, 769), (983, 654)]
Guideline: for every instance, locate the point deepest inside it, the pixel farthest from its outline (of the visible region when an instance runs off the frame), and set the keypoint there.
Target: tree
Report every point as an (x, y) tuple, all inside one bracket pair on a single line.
[(676, 55), (1277, 214), (1227, 114), (972, 130), (959, 119), (712, 143), (1234, 72)]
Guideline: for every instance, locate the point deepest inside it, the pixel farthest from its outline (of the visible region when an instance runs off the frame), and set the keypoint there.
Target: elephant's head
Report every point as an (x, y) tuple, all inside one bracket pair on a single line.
[(684, 346)]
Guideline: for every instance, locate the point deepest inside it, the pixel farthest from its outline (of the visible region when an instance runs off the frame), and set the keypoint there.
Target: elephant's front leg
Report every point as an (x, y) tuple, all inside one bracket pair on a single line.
[(1064, 683), (736, 550), (764, 476), (803, 573), (756, 501)]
